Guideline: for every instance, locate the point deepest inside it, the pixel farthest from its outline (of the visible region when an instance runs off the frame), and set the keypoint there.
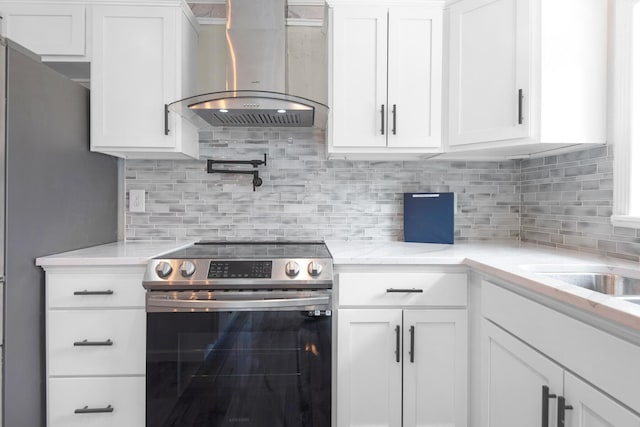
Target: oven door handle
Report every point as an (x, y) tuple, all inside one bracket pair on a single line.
[(165, 304)]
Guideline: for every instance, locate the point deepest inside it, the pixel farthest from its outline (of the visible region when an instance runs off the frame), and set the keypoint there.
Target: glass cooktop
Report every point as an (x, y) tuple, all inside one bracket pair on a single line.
[(251, 250)]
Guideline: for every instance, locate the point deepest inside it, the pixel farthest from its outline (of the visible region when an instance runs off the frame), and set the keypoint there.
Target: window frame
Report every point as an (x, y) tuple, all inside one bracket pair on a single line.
[(622, 114)]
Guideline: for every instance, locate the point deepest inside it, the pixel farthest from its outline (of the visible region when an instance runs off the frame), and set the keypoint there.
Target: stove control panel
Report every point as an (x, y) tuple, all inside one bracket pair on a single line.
[(239, 270), (206, 273)]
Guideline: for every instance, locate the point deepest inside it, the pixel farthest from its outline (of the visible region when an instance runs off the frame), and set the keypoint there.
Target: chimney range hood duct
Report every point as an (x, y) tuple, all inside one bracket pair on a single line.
[(256, 68)]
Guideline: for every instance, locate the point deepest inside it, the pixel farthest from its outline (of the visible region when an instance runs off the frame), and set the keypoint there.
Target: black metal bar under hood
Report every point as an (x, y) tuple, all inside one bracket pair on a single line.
[(256, 76)]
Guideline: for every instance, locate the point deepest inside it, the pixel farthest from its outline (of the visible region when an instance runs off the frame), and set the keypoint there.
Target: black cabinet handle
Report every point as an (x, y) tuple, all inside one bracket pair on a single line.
[(398, 344), (86, 292), (520, 102), (561, 410), (412, 332), (412, 290), (87, 410), (394, 119), (545, 405), (87, 343), (382, 119)]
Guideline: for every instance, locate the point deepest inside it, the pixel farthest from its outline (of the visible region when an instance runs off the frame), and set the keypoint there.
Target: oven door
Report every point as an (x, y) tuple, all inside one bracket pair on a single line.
[(256, 361)]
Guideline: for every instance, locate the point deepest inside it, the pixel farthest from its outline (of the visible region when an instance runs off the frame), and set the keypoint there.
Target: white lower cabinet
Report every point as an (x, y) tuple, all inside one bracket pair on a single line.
[(514, 379), (96, 342), (404, 364), (97, 402), (369, 371), (434, 368), (95, 349), (590, 408), (524, 387)]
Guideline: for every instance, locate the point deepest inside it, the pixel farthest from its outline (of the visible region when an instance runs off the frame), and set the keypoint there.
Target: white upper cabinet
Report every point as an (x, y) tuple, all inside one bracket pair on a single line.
[(490, 44), (143, 58), (526, 76), (414, 82), (385, 80), (57, 32)]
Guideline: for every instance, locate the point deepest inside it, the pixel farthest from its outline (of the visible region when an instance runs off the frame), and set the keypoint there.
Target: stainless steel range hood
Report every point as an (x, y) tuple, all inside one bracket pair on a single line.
[(256, 76)]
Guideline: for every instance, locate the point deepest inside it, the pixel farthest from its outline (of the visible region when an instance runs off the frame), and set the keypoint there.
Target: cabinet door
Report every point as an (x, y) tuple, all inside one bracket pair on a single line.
[(592, 408), (414, 107), (358, 76), (435, 368), (369, 368), (513, 378), (133, 75), (46, 29), (489, 67)]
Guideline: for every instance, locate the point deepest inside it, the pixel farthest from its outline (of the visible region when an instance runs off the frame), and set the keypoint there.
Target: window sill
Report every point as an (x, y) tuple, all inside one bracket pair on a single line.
[(625, 221)]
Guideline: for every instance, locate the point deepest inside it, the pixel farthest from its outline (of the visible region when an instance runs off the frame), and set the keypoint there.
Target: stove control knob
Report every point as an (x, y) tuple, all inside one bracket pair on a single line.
[(164, 269), (314, 268), (292, 269), (187, 268)]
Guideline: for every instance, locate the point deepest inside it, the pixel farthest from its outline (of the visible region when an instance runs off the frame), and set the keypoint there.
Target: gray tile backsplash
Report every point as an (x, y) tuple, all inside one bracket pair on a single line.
[(306, 196), (567, 202), (561, 201)]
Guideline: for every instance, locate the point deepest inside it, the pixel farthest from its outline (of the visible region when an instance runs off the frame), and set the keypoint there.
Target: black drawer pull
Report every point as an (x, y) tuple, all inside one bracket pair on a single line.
[(413, 290), (87, 410), (412, 350), (86, 292), (520, 110), (397, 352), (562, 407), (546, 395), (394, 119), (87, 343)]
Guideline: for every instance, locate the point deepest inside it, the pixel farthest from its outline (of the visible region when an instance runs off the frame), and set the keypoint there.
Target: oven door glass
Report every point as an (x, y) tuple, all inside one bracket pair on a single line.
[(244, 368)]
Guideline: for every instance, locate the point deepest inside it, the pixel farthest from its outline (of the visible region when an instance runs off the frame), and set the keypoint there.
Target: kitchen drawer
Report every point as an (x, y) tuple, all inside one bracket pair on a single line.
[(126, 329), (99, 288), (387, 289), (124, 395)]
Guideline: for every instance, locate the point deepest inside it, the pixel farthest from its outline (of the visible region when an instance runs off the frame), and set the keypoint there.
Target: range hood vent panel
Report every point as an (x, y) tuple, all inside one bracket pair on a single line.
[(251, 109)]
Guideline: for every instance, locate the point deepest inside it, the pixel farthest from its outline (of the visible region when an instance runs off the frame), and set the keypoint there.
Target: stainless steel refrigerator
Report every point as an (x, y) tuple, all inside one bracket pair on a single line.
[(58, 196)]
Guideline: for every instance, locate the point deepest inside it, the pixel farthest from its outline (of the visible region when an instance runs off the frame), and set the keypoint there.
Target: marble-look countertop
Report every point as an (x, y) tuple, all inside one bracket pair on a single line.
[(513, 262), (516, 263), (116, 253)]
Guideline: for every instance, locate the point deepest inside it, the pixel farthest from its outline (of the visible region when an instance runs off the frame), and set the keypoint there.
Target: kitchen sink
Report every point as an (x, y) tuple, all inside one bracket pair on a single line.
[(606, 283), (624, 285)]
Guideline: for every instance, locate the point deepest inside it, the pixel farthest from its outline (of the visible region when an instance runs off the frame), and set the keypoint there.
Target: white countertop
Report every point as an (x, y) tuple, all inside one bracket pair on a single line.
[(116, 253), (513, 262)]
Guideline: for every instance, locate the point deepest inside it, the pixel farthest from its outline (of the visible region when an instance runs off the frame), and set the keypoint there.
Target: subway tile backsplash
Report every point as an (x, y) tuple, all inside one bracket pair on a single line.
[(306, 196), (561, 201), (567, 202)]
